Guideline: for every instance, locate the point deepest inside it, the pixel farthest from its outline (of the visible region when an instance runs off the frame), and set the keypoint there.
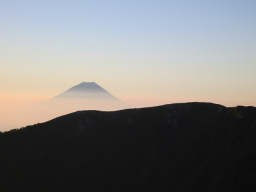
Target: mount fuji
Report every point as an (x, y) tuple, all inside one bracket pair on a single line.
[(90, 91)]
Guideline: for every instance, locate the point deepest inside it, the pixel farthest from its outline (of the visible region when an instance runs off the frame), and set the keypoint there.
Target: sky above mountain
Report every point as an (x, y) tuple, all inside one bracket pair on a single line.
[(146, 52)]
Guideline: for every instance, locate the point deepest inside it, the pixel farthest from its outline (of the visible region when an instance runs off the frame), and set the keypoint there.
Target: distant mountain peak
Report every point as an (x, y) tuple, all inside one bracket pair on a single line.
[(86, 86), (88, 91), (83, 83)]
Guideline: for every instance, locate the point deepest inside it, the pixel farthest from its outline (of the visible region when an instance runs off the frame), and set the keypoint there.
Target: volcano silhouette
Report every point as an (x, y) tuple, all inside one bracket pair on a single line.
[(87, 91)]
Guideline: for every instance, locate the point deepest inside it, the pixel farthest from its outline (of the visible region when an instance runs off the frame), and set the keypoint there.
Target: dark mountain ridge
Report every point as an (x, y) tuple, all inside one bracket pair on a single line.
[(177, 147)]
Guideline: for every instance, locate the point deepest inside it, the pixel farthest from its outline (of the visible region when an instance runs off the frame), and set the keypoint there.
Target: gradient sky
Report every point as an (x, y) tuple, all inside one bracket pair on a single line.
[(142, 51)]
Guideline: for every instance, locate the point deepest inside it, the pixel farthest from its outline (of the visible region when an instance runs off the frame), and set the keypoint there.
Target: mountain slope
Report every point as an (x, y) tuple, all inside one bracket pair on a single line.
[(178, 147)]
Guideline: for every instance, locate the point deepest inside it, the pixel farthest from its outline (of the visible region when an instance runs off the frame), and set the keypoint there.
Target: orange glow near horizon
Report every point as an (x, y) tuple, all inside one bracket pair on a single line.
[(18, 110)]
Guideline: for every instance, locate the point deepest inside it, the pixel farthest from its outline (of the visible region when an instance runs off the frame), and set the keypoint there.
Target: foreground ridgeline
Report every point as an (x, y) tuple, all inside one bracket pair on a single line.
[(179, 147)]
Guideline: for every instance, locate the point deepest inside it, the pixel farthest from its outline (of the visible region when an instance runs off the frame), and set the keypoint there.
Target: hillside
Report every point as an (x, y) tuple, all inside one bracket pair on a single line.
[(176, 147)]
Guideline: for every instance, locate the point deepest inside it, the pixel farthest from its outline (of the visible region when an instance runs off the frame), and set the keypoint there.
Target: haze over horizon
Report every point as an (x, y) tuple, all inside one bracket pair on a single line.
[(144, 52)]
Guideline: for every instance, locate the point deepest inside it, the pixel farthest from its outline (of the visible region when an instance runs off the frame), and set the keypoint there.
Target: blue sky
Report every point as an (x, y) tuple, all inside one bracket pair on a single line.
[(178, 50)]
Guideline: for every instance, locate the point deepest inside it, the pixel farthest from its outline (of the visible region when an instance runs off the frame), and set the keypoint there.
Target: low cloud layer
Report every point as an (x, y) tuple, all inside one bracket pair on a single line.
[(17, 114)]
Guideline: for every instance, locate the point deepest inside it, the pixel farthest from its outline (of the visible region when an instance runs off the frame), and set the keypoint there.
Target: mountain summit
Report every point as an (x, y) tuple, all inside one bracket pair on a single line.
[(88, 91), (87, 86)]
